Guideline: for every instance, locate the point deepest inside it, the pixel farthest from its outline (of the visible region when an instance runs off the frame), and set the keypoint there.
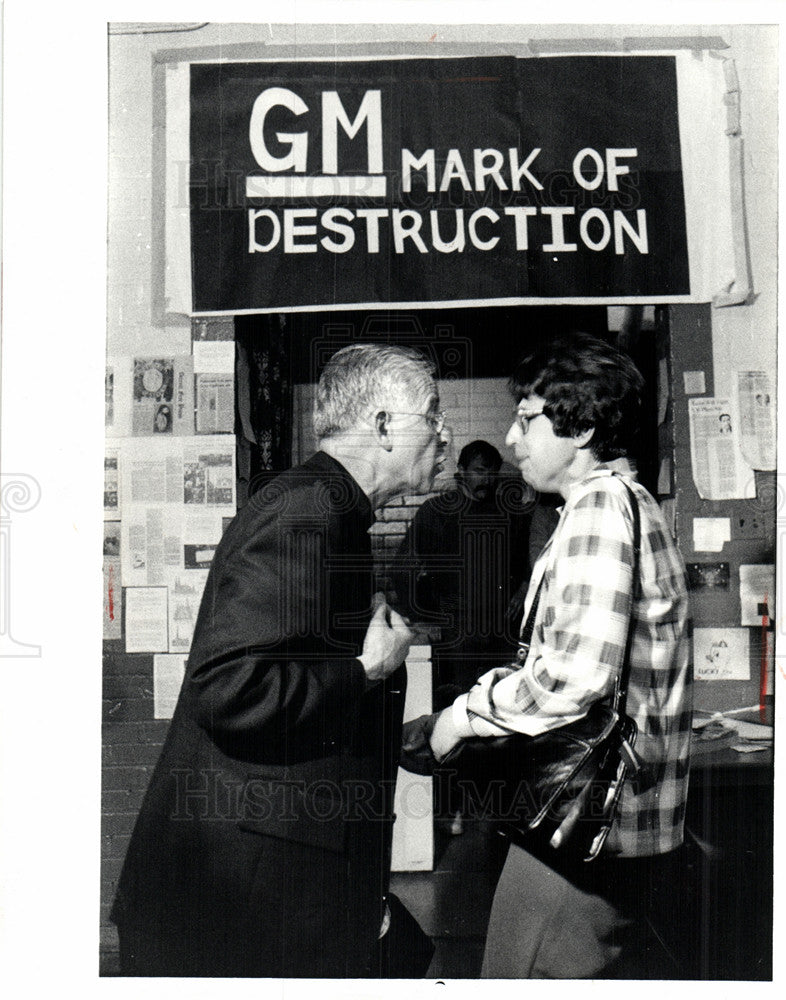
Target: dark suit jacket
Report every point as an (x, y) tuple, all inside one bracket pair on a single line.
[(272, 799)]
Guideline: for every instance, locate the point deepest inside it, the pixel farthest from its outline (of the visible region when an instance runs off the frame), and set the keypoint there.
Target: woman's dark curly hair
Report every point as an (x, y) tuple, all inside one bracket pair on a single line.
[(585, 383)]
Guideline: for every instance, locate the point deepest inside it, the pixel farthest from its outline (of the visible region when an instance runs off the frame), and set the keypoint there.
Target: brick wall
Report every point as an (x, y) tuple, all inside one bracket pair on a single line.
[(132, 741)]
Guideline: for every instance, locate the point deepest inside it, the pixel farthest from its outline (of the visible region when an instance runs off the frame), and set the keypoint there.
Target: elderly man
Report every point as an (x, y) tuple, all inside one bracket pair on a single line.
[(578, 409), (262, 846)]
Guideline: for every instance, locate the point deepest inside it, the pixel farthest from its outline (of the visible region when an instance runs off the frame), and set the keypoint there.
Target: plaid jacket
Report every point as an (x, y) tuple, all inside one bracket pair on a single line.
[(578, 645)]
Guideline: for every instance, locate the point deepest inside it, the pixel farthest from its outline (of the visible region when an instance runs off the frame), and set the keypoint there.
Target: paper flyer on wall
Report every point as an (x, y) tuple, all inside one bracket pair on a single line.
[(146, 620), (215, 357), (757, 593), (109, 396), (185, 594), (196, 472), (215, 403), (755, 407), (721, 654), (112, 532), (118, 390), (163, 396), (112, 508), (168, 673), (160, 540), (112, 598), (719, 470), (710, 534)]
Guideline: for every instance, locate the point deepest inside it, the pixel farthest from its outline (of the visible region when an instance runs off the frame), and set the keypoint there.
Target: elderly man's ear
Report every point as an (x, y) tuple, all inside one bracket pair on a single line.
[(382, 429)]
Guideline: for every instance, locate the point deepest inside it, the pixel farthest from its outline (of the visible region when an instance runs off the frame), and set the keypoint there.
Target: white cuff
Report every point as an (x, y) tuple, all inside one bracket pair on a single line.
[(461, 721), (477, 725)]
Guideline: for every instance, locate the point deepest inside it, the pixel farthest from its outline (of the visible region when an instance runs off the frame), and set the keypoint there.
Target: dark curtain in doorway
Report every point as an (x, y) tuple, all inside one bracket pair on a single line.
[(264, 401)]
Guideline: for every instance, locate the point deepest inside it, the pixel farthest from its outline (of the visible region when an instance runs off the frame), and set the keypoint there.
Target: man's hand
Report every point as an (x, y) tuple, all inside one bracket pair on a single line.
[(387, 642), (426, 741)]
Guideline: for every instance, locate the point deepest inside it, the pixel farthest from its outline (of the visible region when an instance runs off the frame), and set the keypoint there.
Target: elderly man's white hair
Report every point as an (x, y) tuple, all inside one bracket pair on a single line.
[(362, 379)]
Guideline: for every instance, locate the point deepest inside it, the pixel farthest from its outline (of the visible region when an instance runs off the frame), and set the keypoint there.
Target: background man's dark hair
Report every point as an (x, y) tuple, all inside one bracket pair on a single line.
[(482, 450), (585, 383)]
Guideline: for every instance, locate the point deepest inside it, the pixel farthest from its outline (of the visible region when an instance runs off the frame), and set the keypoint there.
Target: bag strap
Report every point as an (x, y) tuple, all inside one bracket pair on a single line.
[(621, 685), (525, 636)]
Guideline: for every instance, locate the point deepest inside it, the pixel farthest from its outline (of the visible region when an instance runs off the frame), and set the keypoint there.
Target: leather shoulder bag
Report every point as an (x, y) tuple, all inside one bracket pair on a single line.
[(560, 790)]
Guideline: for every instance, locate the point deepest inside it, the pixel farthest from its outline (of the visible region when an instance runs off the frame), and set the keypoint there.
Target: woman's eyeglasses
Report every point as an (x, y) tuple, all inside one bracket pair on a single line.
[(522, 417)]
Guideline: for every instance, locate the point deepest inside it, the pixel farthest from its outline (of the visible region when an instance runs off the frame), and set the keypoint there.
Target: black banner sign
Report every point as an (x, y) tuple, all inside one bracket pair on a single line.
[(417, 181)]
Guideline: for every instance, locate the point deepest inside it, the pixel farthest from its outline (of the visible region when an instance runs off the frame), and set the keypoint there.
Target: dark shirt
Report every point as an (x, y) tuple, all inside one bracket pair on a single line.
[(460, 563)]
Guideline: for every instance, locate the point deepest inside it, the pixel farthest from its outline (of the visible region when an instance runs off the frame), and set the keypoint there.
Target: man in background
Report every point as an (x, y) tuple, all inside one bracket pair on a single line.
[(464, 556), (262, 846)]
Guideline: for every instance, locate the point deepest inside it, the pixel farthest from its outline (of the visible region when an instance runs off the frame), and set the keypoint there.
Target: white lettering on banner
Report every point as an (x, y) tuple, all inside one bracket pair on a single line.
[(520, 214), (454, 171), (557, 230), (372, 217), (410, 162), (482, 213), (407, 229), (292, 230), (400, 231), (492, 170), (486, 163), (578, 160), (457, 243), (329, 221), (517, 172), (610, 168), (613, 170), (595, 213), (262, 213), (298, 142), (333, 114), (639, 237)]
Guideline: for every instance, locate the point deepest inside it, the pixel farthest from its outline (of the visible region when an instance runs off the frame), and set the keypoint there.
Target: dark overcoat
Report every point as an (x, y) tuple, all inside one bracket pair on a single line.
[(262, 846)]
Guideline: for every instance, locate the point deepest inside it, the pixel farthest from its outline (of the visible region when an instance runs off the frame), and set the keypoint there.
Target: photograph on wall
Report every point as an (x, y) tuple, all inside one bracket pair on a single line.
[(445, 447), (112, 483)]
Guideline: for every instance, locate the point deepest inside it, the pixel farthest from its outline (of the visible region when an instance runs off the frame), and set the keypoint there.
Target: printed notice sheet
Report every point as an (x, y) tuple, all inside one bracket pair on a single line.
[(216, 356), (146, 620), (196, 472), (177, 492), (168, 673), (160, 540), (113, 598), (710, 534), (112, 483), (756, 413), (163, 396), (215, 403), (721, 654), (113, 589), (757, 593), (185, 594), (719, 470), (118, 391)]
